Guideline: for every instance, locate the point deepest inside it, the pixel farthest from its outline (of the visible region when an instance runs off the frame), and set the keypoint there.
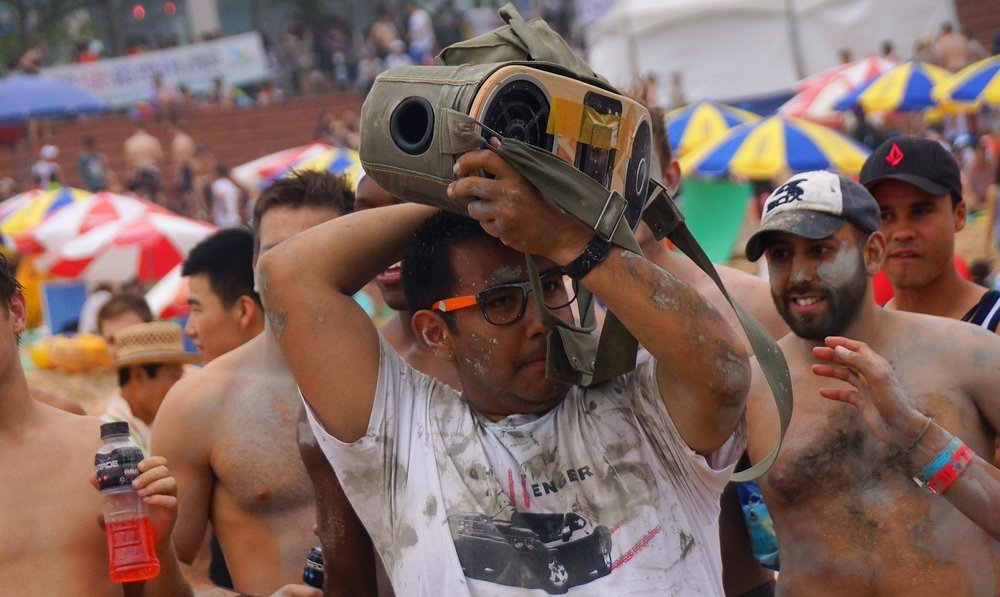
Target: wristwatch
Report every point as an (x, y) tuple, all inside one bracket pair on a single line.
[(593, 254)]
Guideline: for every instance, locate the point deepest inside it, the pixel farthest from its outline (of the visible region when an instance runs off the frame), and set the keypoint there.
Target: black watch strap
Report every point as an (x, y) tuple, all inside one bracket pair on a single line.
[(593, 254)]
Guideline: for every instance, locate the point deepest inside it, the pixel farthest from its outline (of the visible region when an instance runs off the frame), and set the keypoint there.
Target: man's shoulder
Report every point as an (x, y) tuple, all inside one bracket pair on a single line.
[(74, 429), (200, 392), (240, 373)]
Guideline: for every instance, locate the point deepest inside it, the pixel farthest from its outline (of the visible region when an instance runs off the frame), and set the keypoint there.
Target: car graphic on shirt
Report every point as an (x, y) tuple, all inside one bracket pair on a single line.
[(552, 552)]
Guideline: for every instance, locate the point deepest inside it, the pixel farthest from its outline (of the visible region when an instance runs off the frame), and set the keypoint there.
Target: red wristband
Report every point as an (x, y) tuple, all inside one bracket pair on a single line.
[(943, 479)]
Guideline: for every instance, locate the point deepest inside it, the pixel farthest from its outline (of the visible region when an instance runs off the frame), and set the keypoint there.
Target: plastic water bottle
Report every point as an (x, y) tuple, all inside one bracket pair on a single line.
[(126, 521), (312, 575)]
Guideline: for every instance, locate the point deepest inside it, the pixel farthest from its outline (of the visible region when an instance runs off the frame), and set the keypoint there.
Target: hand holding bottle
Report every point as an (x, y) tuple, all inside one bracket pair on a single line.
[(158, 489)]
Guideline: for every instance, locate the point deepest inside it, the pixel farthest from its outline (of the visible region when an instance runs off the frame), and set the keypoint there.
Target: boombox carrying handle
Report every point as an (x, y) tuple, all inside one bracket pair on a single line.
[(573, 347)]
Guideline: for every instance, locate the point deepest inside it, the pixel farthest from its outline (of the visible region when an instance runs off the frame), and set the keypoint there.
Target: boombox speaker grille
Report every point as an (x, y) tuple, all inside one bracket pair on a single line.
[(520, 110), (637, 175)]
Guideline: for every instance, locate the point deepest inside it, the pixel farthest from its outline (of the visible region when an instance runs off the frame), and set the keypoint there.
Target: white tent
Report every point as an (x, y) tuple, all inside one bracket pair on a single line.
[(737, 48)]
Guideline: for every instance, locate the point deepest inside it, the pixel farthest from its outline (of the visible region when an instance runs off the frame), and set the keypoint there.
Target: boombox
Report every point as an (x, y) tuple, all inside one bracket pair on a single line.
[(417, 120)]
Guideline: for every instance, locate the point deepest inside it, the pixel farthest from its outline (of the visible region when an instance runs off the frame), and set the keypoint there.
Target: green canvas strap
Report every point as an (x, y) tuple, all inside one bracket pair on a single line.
[(615, 355), (665, 220)]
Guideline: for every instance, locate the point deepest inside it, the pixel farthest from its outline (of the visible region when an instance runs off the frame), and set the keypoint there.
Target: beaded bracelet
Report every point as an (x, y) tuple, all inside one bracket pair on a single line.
[(940, 482), (942, 460)]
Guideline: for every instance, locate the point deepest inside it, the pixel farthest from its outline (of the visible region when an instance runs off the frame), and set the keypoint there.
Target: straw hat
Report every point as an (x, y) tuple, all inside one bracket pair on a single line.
[(148, 343)]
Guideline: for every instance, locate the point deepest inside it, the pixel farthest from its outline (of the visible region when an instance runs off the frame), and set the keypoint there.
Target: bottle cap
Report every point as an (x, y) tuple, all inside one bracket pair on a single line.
[(116, 428)]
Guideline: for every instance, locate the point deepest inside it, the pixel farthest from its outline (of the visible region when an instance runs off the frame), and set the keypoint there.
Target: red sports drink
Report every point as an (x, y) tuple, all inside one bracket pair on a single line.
[(130, 547), (131, 553)]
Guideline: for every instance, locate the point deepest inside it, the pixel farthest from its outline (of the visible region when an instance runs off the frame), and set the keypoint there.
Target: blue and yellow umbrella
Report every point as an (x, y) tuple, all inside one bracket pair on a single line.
[(696, 124), (23, 212), (903, 88), (978, 82), (337, 160), (776, 146)]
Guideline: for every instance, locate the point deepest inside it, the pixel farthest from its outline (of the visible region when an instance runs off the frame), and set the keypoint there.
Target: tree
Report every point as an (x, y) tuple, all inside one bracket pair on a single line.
[(35, 21)]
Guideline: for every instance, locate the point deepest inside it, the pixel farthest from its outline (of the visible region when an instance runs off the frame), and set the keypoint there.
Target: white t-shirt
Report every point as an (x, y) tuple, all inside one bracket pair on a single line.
[(45, 172), (225, 203), (599, 496)]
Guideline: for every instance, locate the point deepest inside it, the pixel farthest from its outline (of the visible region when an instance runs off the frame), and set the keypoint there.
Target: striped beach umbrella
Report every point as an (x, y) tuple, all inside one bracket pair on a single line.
[(253, 172), (144, 247), (696, 124), (856, 72), (168, 298), (776, 146), (336, 160), (816, 95), (23, 212), (79, 218), (905, 88), (978, 82)]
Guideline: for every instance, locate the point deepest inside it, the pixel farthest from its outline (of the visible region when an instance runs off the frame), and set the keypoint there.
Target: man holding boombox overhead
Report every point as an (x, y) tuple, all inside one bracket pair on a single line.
[(519, 481)]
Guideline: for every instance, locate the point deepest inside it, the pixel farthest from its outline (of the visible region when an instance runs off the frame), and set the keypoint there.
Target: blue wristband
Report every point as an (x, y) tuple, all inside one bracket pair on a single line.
[(942, 460)]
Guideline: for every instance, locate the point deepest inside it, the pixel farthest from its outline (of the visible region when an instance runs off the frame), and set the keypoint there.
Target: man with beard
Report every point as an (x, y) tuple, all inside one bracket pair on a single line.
[(848, 517)]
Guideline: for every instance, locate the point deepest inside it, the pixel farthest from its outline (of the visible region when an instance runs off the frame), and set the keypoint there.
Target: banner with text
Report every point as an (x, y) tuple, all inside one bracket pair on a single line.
[(239, 59)]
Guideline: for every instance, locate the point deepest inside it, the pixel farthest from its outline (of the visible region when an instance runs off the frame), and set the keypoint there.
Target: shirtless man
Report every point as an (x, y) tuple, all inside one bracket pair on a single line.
[(848, 517), (232, 430), (918, 186), (143, 157), (53, 542)]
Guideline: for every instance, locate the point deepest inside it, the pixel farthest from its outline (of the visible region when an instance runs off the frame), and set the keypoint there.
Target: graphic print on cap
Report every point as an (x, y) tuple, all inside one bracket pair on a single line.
[(895, 156), (815, 191)]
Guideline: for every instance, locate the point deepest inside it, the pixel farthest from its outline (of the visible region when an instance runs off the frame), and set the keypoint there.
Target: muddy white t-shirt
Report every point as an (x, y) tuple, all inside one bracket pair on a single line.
[(598, 496)]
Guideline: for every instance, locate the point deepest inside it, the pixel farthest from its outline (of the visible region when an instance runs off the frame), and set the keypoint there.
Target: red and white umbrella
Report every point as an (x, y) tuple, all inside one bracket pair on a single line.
[(168, 298), (817, 95), (145, 247), (81, 217), (858, 71)]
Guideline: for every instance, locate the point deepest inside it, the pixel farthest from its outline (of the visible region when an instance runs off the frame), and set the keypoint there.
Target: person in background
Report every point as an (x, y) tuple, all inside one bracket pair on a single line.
[(978, 172), (225, 309), (951, 49), (227, 199), (51, 538), (100, 294), (182, 150), (143, 159), (149, 358), (918, 188), (256, 494), (92, 166), (46, 173), (120, 311)]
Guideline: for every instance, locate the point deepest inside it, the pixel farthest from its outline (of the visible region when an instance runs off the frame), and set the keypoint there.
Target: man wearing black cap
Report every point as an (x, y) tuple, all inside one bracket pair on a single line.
[(848, 518), (918, 187)]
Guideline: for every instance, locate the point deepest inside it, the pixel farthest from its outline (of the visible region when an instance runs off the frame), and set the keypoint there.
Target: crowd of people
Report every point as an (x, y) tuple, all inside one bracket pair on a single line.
[(433, 453), (444, 430)]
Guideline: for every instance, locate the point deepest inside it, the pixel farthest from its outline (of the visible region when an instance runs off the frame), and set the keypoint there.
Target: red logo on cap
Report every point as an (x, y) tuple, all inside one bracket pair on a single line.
[(895, 156)]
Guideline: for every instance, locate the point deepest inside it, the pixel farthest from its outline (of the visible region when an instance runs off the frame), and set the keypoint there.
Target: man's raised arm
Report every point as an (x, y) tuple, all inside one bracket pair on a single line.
[(702, 371), (330, 344)]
